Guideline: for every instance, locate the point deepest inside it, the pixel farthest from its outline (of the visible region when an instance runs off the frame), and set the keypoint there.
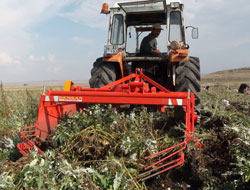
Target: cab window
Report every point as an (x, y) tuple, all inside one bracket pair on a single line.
[(117, 36), (175, 30)]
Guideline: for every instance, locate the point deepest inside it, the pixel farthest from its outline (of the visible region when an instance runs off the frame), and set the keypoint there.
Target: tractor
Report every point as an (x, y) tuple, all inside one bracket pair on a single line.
[(173, 69), (121, 77)]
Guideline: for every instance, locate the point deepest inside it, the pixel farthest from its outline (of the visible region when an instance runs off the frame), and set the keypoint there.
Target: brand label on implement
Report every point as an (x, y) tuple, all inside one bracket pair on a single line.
[(70, 99)]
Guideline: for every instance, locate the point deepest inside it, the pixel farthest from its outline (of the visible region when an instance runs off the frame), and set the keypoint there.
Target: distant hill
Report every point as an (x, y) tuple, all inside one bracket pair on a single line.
[(232, 77)]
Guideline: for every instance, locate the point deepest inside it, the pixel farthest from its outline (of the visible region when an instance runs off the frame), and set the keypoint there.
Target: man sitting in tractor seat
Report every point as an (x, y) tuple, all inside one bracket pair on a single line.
[(149, 43)]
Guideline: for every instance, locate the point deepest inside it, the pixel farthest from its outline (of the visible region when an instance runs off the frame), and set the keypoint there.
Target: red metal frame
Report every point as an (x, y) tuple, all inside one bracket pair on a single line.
[(135, 89)]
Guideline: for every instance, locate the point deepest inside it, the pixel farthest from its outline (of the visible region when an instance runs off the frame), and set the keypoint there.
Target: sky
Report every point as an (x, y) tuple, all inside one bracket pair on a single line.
[(43, 40)]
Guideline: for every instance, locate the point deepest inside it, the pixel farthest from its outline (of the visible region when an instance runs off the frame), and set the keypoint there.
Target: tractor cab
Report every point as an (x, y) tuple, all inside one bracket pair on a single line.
[(131, 21)]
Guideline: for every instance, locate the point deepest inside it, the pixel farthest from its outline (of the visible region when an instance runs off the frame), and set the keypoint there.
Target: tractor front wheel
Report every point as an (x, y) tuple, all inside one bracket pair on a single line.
[(103, 73)]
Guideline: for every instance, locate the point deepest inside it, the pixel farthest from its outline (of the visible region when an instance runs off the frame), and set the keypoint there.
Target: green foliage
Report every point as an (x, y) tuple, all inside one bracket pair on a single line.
[(105, 149), (94, 132), (46, 173), (8, 149), (226, 131)]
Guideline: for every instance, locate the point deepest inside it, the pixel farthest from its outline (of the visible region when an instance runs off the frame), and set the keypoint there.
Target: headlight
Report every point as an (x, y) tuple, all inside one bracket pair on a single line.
[(174, 45), (175, 5)]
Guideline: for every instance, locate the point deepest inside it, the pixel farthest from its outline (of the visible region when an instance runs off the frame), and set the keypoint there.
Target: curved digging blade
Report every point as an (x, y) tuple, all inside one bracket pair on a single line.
[(172, 157)]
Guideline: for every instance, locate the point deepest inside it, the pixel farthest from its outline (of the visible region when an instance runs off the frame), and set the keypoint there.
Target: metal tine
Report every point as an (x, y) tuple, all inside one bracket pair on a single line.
[(179, 162), (166, 150), (167, 164), (171, 164), (169, 156)]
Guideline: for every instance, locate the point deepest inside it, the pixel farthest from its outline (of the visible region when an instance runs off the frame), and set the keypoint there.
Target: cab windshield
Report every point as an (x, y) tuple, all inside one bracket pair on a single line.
[(175, 26)]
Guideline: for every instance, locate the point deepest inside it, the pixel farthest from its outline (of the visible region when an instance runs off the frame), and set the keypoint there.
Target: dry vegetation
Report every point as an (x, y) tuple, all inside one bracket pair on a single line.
[(232, 78), (105, 149)]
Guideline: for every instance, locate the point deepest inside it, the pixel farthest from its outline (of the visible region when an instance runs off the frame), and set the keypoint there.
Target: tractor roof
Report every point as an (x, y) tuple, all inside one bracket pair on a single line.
[(116, 5), (137, 12)]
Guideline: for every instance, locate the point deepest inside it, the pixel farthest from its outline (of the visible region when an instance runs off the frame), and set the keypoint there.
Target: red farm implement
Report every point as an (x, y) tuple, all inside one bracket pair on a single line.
[(135, 89)]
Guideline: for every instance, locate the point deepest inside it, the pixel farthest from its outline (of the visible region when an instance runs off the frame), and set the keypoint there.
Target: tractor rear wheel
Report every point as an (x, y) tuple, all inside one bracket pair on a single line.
[(188, 77), (103, 73)]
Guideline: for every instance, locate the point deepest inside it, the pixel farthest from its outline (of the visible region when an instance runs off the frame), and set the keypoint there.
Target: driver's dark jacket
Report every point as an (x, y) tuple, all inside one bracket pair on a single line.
[(149, 46)]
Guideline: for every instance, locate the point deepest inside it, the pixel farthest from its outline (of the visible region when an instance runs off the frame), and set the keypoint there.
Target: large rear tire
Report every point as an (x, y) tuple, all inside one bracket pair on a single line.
[(103, 73), (188, 77)]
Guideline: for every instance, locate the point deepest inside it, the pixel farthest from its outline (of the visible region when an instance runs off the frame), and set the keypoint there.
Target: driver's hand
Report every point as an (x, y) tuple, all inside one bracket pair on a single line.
[(157, 51)]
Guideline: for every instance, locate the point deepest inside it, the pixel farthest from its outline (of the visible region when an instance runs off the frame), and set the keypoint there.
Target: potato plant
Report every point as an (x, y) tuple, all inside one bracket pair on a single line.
[(105, 149)]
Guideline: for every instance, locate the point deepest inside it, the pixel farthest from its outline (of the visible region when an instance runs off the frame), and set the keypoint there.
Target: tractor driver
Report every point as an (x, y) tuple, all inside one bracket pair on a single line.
[(149, 43)]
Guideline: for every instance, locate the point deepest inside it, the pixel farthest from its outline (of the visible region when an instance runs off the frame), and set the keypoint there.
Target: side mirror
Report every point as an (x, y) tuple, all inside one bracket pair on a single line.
[(195, 33)]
